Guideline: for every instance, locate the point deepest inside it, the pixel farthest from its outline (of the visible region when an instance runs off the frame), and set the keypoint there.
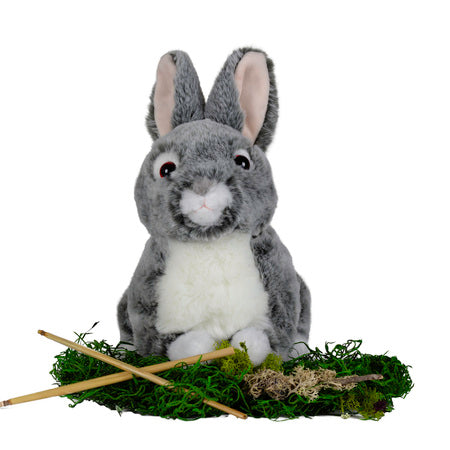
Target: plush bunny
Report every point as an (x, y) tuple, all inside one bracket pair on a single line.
[(213, 268)]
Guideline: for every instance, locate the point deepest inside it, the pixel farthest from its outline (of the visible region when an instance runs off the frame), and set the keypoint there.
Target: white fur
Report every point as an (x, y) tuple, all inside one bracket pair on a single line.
[(161, 159), (213, 286), (206, 209), (257, 343), (190, 344)]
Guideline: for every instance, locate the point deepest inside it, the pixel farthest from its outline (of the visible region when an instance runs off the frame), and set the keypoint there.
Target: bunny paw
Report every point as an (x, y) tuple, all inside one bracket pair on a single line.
[(257, 343), (298, 348), (190, 344)]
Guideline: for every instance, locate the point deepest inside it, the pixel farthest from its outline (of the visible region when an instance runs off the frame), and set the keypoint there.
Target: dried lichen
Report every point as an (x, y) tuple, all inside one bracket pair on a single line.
[(305, 382)]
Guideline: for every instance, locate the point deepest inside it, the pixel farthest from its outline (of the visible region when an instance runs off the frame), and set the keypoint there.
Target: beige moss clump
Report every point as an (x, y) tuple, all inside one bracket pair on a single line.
[(305, 382)]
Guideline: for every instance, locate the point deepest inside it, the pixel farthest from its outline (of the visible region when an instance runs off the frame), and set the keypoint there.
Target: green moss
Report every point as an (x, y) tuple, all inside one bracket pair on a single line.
[(372, 405), (222, 381), (236, 365), (349, 403), (367, 402), (273, 362)]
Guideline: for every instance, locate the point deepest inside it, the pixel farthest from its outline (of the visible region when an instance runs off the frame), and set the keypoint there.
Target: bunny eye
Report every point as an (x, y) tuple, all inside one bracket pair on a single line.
[(164, 164), (167, 168), (242, 161)]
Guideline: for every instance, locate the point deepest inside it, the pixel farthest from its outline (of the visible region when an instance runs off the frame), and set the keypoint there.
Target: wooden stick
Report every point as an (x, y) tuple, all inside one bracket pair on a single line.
[(114, 378), (134, 370), (359, 378)]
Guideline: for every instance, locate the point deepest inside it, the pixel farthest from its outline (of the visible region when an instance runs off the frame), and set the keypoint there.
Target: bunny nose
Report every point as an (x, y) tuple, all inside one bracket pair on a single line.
[(202, 185)]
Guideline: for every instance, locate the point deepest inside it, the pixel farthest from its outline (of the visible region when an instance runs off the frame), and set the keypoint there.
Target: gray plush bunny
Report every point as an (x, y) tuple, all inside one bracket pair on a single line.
[(213, 268)]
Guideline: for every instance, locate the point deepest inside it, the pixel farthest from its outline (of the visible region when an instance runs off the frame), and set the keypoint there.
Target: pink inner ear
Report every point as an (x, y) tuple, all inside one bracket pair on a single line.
[(164, 97), (253, 83)]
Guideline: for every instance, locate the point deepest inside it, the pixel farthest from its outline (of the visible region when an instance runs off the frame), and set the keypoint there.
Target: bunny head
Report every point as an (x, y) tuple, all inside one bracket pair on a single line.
[(207, 173)]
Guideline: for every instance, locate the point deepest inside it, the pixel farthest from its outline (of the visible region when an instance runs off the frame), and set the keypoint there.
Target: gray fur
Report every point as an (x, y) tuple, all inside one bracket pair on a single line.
[(223, 102), (205, 148), (189, 100), (289, 298)]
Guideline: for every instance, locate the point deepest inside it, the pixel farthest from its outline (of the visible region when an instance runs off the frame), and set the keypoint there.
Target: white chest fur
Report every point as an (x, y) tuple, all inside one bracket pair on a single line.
[(212, 286)]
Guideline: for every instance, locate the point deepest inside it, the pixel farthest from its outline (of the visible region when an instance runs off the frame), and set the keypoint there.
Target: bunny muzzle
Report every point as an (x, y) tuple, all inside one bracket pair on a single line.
[(205, 201)]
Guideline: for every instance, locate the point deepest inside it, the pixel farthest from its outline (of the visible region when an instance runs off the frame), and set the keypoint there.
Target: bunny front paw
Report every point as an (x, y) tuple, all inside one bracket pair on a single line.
[(190, 344), (256, 341)]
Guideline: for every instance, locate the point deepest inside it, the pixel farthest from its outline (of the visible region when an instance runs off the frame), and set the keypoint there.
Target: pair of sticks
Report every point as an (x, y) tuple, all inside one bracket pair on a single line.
[(129, 370)]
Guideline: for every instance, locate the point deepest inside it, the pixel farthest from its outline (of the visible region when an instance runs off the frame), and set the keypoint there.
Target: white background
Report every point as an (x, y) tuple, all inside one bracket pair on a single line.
[(360, 161)]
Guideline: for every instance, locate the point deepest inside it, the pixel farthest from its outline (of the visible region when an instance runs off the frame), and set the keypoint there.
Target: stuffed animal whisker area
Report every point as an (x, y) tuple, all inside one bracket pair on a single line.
[(213, 267)]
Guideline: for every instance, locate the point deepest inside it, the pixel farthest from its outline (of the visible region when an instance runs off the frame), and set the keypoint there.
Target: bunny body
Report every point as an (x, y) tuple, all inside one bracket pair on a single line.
[(204, 284), (213, 267)]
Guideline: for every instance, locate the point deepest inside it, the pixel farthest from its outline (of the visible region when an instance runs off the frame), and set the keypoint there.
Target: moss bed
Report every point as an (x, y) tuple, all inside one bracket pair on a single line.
[(223, 381)]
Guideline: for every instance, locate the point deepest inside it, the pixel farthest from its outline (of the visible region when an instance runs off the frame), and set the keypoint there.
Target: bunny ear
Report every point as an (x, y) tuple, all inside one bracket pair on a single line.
[(176, 97), (244, 96)]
